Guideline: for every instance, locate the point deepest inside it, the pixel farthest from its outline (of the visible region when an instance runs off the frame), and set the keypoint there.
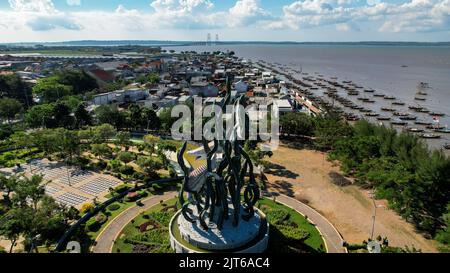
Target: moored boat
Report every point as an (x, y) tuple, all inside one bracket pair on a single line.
[(430, 136), (383, 118), (416, 130)]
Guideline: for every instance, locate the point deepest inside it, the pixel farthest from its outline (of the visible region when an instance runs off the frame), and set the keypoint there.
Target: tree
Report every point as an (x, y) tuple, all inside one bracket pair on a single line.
[(103, 133), (12, 86), (63, 115), (82, 116), (110, 114), (126, 157), (29, 189), (79, 81), (11, 227), (166, 119), (50, 90), (9, 108), (7, 185), (123, 139), (149, 165), (299, 124), (101, 150), (328, 130), (150, 120), (40, 116)]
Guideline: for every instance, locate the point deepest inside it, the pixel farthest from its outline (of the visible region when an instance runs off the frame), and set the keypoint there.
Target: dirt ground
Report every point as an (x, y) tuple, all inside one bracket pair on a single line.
[(309, 177)]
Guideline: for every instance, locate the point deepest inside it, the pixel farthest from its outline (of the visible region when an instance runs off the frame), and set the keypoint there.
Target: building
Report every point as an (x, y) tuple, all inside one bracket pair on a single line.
[(204, 89), (121, 96)]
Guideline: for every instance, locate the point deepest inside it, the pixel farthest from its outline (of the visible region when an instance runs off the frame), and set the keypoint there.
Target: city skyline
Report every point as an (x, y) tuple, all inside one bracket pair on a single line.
[(243, 20)]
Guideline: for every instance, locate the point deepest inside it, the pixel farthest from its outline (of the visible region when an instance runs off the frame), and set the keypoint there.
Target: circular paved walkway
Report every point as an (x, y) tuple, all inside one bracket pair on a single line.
[(105, 240)]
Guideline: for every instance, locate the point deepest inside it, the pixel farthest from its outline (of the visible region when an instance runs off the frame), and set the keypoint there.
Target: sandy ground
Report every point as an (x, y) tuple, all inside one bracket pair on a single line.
[(309, 177)]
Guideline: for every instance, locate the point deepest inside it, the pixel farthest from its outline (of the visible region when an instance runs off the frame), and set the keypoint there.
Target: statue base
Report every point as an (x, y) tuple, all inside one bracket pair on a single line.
[(248, 237)]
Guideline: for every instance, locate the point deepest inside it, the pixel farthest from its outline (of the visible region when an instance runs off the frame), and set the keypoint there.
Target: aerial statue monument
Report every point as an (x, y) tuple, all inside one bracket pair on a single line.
[(218, 199)]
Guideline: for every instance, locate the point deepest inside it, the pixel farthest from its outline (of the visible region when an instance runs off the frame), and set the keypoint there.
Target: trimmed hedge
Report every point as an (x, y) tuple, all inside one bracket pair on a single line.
[(113, 207)]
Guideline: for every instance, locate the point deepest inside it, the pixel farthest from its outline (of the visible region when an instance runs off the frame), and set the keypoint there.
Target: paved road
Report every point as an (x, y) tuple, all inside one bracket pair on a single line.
[(333, 239), (106, 238)]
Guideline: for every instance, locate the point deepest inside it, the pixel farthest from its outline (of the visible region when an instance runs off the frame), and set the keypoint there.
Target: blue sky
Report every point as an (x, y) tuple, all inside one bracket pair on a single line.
[(269, 20)]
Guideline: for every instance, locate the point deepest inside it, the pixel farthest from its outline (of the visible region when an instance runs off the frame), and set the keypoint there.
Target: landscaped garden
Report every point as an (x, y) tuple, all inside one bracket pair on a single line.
[(290, 232)]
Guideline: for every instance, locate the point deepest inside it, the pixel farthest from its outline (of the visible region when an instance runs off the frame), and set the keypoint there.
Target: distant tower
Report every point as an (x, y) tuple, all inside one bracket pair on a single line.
[(208, 39), (217, 40)]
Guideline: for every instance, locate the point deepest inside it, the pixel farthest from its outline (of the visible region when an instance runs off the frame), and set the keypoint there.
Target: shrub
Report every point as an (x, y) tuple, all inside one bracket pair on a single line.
[(93, 225), (101, 165), (101, 218), (113, 207), (277, 216), (126, 170), (85, 208), (121, 188), (296, 234)]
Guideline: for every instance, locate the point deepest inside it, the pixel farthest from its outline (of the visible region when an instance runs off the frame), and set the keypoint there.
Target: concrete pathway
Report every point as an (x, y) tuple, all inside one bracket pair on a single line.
[(332, 237), (105, 240)]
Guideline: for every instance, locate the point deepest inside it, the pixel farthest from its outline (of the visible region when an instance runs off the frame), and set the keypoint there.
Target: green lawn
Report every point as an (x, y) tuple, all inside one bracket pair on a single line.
[(314, 241), (161, 243)]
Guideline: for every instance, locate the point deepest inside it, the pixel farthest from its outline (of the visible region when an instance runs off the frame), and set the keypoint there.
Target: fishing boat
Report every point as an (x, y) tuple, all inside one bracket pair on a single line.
[(422, 122), (423, 110), (353, 93), (408, 118), (366, 110), (444, 131), (435, 127), (420, 98), (400, 114), (383, 118), (447, 146), (387, 109), (371, 114), (416, 130), (389, 98), (430, 136), (438, 114), (398, 103), (399, 122), (369, 90), (369, 101), (378, 95), (415, 108)]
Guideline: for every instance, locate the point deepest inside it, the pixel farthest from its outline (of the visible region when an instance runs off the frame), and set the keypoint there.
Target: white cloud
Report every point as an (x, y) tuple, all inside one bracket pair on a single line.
[(73, 2), (42, 6), (412, 16), (39, 18)]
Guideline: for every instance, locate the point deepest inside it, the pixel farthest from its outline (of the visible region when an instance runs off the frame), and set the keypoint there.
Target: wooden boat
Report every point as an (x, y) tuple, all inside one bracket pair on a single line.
[(435, 127), (422, 122), (416, 130), (399, 122), (369, 90), (400, 114), (447, 146), (378, 95), (423, 110), (383, 118), (398, 103), (369, 101), (389, 98), (444, 131), (408, 118), (387, 109), (419, 98), (371, 114), (366, 110), (415, 108), (439, 114), (430, 136)]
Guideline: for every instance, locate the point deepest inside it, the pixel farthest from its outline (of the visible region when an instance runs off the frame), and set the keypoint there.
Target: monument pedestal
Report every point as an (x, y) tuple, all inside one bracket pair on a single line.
[(248, 237)]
